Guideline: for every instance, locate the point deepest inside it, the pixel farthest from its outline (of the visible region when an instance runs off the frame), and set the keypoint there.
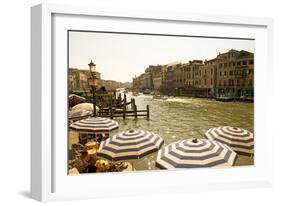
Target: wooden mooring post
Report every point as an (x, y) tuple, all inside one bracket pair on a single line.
[(114, 98), (133, 103), (124, 106), (125, 99), (110, 108), (116, 107), (119, 100), (135, 111), (147, 111)]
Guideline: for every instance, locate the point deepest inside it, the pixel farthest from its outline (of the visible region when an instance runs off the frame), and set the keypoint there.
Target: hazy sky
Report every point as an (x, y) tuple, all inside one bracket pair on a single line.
[(122, 56)]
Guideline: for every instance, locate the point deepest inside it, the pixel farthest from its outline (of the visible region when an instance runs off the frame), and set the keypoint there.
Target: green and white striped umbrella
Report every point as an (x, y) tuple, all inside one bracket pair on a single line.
[(195, 153), (238, 139), (130, 145), (95, 125), (75, 115)]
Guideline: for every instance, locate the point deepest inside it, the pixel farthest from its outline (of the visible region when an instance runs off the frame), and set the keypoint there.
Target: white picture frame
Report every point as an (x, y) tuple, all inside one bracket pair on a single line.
[(49, 179)]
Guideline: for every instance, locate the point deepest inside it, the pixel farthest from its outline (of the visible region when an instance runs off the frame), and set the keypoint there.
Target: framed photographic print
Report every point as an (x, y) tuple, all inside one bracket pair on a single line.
[(136, 102)]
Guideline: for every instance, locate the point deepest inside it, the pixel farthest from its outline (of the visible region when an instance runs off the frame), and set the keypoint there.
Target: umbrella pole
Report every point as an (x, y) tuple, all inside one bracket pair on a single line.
[(133, 166)]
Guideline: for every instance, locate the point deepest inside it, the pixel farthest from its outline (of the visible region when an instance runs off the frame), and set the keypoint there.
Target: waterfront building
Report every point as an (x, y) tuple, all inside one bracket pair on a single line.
[(136, 84), (72, 80), (230, 74), (194, 73), (151, 79), (208, 76), (157, 82), (78, 80), (235, 73)]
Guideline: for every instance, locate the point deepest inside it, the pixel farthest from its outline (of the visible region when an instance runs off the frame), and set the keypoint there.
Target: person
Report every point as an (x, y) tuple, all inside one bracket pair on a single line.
[(81, 162), (91, 168)]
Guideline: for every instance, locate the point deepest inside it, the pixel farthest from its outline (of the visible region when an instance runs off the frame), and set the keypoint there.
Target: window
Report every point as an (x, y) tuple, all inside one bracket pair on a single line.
[(244, 62), (220, 73), (238, 64), (225, 65), (251, 61), (220, 65), (233, 64), (250, 83), (224, 73), (238, 83)]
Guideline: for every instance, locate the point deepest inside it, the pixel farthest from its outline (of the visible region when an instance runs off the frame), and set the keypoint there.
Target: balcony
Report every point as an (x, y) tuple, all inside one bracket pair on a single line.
[(242, 75)]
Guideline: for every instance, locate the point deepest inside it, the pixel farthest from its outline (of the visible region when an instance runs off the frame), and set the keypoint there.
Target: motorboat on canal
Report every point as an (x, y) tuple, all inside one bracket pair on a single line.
[(224, 99), (135, 94), (160, 97), (147, 91)]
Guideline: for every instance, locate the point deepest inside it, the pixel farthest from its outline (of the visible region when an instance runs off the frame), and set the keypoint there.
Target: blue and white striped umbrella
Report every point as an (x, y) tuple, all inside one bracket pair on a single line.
[(238, 139), (75, 115), (130, 145), (95, 125), (195, 153)]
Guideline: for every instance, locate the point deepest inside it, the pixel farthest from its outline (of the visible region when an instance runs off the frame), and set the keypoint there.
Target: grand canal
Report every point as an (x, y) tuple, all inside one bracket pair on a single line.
[(180, 118)]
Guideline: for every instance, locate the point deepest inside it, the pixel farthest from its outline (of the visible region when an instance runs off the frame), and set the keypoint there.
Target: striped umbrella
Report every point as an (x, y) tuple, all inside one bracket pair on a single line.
[(240, 140), (78, 114), (95, 125), (130, 145), (195, 153)]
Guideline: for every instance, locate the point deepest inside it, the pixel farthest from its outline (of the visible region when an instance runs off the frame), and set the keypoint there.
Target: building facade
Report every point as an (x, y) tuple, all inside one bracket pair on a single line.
[(230, 74), (235, 73), (78, 80)]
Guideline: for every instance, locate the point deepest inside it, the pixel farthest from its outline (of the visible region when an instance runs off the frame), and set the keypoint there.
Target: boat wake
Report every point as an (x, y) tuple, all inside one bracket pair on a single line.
[(180, 100)]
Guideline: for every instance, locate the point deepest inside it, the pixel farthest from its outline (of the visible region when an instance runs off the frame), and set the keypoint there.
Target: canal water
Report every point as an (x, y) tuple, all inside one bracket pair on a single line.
[(179, 118)]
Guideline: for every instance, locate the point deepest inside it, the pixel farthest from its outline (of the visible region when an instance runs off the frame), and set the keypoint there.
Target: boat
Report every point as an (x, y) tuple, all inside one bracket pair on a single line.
[(224, 99), (147, 91), (160, 97), (136, 94), (246, 99)]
